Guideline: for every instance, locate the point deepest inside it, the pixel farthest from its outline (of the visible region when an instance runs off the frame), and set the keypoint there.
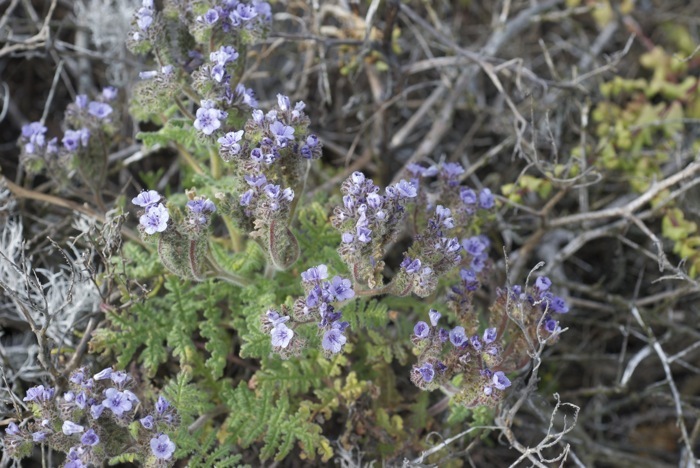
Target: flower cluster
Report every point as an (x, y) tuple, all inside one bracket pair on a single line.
[(85, 117), (535, 307), (445, 353), (316, 306), (225, 17), (154, 217), (369, 222), (90, 422), (271, 155)]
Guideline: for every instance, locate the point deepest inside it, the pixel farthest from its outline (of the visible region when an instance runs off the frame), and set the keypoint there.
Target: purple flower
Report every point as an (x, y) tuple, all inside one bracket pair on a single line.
[(99, 109), (500, 381), (247, 198), (230, 141), (81, 400), (283, 102), (543, 283), (119, 377), (476, 343), (74, 139), (12, 429), (109, 93), (442, 216), (70, 428), (347, 238), (224, 55), (282, 133), (451, 171), (256, 180), (490, 335), (105, 373), (96, 411), (486, 199), (364, 235), (411, 266), (81, 101), (243, 13), (427, 372), (551, 325), (434, 317), (155, 219), (144, 18), (342, 288), (458, 337), (39, 394), (247, 95), (282, 335), (78, 376), (162, 447), (117, 401), (558, 305), (162, 405), (207, 120), (34, 133), (211, 17), (315, 274), (444, 335), (333, 340), (421, 330), (201, 206), (39, 436), (467, 195), (406, 189), (145, 199), (473, 246), (90, 438), (73, 459), (147, 422)]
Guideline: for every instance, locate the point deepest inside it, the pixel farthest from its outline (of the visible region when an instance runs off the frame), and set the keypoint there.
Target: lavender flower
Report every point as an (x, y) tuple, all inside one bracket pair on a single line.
[(486, 199), (333, 340), (468, 196), (421, 330), (70, 428), (12, 429), (543, 283), (147, 422), (109, 93), (90, 438), (104, 373), (282, 133), (551, 325), (162, 405), (39, 436), (490, 335), (210, 17), (500, 381), (74, 139), (33, 134), (411, 266), (96, 411), (99, 109), (558, 305), (117, 401), (315, 274), (458, 337), (282, 335), (434, 317), (342, 288), (39, 394), (162, 447), (155, 219), (208, 118), (427, 372)]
